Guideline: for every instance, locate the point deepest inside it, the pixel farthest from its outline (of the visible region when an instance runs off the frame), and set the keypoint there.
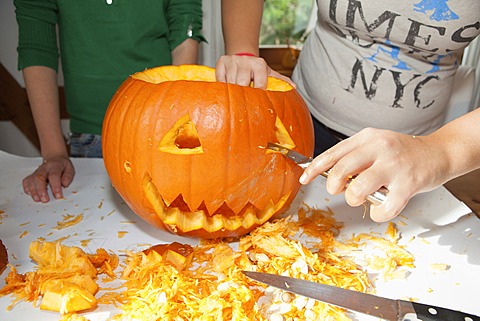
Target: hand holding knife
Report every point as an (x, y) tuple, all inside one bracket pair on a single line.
[(303, 161), (386, 309)]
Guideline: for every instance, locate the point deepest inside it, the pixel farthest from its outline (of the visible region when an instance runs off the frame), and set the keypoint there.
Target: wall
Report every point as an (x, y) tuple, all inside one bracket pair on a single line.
[(11, 139)]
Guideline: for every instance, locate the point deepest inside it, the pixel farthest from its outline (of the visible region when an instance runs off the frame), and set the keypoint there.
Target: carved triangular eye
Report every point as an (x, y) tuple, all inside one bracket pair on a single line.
[(182, 138), (282, 135)]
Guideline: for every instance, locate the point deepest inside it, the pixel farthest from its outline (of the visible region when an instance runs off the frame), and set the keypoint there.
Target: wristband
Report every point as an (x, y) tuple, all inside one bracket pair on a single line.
[(245, 54)]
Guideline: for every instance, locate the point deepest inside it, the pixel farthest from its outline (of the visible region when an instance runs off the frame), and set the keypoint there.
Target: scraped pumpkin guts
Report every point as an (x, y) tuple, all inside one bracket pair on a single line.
[(182, 220), (182, 138), (65, 279), (178, 254)]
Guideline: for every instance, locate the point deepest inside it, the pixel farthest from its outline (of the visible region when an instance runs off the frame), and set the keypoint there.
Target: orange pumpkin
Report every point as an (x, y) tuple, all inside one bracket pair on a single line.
[(187, 153)]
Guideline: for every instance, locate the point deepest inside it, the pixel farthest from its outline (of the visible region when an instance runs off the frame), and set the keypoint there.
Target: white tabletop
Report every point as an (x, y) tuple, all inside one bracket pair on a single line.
[(435, 227)]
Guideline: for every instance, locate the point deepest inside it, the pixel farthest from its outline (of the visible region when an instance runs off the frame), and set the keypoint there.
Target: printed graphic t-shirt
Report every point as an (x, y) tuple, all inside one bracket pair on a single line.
[(384, 63)]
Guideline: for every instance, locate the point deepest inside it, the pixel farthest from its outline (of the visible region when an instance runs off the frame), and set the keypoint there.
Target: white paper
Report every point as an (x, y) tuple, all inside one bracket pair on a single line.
[(436, 228)]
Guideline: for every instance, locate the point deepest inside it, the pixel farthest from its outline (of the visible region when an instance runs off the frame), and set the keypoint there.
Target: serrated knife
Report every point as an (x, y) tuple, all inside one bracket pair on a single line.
[(303, 161), (386, 309)]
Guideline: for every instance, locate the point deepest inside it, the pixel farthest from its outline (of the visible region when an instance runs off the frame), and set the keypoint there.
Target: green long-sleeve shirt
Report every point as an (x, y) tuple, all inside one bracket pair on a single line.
[(101, 42)]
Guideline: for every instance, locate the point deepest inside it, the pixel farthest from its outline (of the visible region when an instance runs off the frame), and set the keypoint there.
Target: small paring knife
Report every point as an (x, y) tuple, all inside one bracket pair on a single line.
[(386, 309), (303, 161)]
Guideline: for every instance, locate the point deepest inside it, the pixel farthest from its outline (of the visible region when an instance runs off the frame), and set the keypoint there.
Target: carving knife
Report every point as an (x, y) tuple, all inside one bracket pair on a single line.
[(386, 309), (303, 161)]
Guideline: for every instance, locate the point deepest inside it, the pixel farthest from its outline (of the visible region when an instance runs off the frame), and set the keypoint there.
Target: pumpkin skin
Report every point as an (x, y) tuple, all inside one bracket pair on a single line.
[(187, 153)]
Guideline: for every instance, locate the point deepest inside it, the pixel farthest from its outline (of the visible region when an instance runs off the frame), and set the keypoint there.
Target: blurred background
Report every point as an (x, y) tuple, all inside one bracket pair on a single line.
[(285, 25)]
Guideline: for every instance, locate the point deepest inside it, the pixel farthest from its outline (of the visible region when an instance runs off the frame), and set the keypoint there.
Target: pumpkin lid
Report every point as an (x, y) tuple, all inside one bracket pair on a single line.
[(196, 73)]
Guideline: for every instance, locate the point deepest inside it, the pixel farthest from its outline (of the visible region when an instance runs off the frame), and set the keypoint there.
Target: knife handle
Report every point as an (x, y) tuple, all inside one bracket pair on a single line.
[(427, 312), (376, 198)]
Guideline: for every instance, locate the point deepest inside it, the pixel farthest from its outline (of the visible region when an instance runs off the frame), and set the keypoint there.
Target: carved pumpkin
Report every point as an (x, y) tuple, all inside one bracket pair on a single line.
[(188, 155)]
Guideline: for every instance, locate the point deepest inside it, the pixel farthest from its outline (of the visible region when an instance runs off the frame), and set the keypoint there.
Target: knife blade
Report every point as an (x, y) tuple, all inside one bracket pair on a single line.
[(386, 309), (376, 198)]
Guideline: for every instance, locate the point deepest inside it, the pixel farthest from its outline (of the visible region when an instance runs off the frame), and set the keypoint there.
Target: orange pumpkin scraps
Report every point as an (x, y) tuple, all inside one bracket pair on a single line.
[(387, 255), (187, 153), (64, 280), (392, 231), (180, 255), (2, 215), (212, 287), (204, 282), (69, 220), (54, 257), (156, 289), (66, 297)]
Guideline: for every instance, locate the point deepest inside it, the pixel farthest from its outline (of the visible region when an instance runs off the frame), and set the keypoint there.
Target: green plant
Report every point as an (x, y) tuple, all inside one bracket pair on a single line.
[(285, 21)]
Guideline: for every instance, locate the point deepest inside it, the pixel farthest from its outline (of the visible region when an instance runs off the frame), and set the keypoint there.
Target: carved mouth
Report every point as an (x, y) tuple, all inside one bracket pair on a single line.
[(180, 220)]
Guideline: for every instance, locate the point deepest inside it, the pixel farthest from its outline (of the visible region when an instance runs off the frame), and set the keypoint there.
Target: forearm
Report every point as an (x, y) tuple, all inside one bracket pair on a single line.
[(460, 139), (42, 90), (241, 21), (186, 53)]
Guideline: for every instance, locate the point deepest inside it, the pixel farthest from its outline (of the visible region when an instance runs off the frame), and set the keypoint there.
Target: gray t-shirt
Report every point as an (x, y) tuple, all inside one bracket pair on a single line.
[(384, 63)]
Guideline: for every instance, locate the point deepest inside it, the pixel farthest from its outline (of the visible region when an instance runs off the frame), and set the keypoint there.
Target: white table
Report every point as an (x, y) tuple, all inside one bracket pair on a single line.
[(435, 227)]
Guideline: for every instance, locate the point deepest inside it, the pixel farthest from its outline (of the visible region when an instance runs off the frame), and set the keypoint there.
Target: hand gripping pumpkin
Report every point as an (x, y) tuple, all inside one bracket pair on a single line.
[(188, 155)]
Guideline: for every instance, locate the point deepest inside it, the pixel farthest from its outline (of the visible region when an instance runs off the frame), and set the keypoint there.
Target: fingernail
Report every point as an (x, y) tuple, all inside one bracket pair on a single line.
[(303, 178), (355, 187), (58, 196)]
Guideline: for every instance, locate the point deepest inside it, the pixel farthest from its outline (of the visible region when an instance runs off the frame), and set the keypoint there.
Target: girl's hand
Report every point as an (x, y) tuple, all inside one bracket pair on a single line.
[(58, 172), (244, 70), (406, 165)]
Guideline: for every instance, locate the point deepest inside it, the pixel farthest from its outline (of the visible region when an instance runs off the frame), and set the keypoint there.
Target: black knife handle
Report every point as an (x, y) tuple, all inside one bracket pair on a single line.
[(427, 312)]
